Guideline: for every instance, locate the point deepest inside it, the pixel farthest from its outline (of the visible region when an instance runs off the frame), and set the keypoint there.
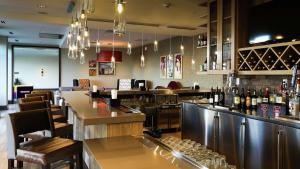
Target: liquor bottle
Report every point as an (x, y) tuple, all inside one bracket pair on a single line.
[(296, 99), (291, 103), (216, 96), (272, 97), (205, 65), (237, 100), (222, 97), (279, 96), (248, 102), (254, 102), (211, 96), (266, 96), (243, 101), (260, 97)]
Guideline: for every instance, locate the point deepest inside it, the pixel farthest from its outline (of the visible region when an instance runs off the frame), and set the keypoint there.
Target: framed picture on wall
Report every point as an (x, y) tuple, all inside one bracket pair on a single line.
[(92, 63), (92, 72), (106, 68), (170, 67), (163, 67), (178, 66)]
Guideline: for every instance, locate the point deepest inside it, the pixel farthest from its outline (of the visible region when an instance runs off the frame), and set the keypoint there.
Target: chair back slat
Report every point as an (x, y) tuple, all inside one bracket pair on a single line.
[(49, 93), (25, 122), (31, 99), (34, 105)]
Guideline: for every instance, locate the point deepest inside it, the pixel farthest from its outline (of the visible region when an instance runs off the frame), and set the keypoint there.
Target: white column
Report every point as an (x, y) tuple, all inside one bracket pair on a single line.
[(3, 73)]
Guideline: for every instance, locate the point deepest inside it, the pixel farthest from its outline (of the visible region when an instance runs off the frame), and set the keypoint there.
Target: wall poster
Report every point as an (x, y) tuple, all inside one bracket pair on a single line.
[(163, 67), (178, 66), (170, 67)]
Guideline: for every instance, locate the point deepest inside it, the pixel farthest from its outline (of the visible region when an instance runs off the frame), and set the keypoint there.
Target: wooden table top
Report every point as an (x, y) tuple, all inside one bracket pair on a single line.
[(126, 152), (96, 111)]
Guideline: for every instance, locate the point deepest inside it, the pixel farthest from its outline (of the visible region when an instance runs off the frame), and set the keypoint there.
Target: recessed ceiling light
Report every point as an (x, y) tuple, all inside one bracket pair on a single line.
[(42, 13), (11, 33), (42, 6)]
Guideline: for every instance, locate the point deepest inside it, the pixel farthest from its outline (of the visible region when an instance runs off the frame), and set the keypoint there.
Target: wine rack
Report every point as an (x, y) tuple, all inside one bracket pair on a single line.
[(276, 59)]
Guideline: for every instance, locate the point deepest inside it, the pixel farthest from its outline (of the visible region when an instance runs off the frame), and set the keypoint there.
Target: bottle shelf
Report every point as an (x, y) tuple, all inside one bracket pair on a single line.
[(269, 59)]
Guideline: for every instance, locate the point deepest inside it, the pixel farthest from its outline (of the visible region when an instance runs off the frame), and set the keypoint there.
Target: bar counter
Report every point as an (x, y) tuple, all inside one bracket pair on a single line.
[(93, 118)]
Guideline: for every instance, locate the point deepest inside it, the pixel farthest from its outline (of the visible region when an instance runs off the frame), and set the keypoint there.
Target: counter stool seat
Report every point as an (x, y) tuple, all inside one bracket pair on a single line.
[(49, 150)]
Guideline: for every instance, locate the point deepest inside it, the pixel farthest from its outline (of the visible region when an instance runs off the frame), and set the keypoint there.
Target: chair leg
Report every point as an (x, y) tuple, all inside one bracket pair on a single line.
[(20, 164), (47, 166), (10, 164), (71, 164), (79, 161)]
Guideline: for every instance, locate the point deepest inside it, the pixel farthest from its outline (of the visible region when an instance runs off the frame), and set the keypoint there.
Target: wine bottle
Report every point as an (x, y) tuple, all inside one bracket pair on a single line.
[(237, 100), (216, 97), (266, 96), (222, 97), (243, 101), (248, 102), (272, 97), (254, 102), (260, 97), (211, 96)]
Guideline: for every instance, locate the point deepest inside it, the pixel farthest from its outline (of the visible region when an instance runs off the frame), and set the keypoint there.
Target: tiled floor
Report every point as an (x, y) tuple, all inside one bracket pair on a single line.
[(3, 144)]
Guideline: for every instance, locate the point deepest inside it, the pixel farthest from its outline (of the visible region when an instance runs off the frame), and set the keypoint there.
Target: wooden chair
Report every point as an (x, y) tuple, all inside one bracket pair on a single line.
[(58, 113), (31, 99), (62, 129), (42, 152)]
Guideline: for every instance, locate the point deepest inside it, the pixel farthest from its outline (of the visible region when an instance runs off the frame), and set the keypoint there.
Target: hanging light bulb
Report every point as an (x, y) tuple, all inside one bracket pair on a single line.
[(182, 46), (82, 58), (170, 52), (69, 38), (83, 15), (89, 6), (119, 27), (193, 56), (120, 6), (86, 38), (142, 56), (155, 44), (113, 60), (98, 44), (129, 46)]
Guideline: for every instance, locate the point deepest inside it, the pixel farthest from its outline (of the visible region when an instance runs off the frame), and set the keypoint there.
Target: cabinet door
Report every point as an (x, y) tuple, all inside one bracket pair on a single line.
[(291, 148), (231, 138), (261, 145), (198, 124)]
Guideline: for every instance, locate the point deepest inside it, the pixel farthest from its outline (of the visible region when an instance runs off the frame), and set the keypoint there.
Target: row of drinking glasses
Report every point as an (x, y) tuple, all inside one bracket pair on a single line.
[(198, 153)]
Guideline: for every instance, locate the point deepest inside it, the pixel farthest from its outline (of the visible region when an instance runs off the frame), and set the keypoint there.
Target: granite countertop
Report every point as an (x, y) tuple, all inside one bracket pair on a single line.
[(96, 111), (129, 152), (286, 121)]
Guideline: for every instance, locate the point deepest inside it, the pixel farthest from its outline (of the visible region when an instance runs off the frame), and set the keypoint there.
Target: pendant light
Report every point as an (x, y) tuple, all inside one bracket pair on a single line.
[(113, 60), (155, 44), (170, 52), (98, 44), (129, 45), (82, 58), (142, 56), (182, 46), (193, 55), (119, 27)]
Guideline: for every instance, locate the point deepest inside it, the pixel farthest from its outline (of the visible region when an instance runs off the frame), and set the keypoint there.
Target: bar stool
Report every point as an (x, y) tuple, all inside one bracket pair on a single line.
[(57, 111), (44, 151), (62, 129)]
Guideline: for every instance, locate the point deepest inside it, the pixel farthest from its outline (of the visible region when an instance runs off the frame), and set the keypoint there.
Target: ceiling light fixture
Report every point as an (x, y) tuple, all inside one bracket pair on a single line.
[(142, 56), (129, 45), (78, 37), (119, 27), (42, 6), (182, 46), (98, 44), (170, 52), (193, 55), (113, 60), (155, 43)]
